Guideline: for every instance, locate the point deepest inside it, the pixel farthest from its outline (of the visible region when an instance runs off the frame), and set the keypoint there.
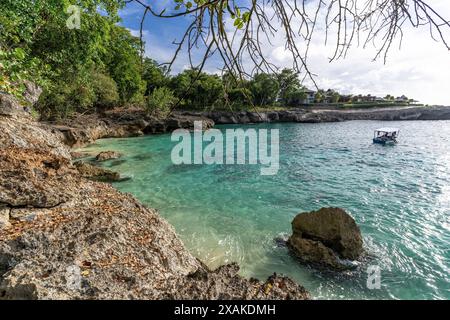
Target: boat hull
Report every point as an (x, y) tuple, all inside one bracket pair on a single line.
[(384, 142)]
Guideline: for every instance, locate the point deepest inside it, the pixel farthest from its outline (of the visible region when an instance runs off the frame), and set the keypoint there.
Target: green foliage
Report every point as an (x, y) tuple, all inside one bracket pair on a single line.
[(153, 75), (87, 93), (291, 92), (12, 72), (334, 96), (240, 97), (264, 88), (319, 97), (36, 44), (197, 91), (294, 98), (124, 64), (63, 98), (105, 90), (160, 101)]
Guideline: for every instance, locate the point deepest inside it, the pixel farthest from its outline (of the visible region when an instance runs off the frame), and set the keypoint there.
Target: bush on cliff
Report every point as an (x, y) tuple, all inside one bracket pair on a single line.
[(160, 102), (64, 98), (105, 89), (198, 90), (36, 45), (154, 75)]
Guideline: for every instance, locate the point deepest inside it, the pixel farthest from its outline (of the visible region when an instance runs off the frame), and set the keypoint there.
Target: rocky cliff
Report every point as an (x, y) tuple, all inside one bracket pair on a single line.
[(80, 130), (65, 237)]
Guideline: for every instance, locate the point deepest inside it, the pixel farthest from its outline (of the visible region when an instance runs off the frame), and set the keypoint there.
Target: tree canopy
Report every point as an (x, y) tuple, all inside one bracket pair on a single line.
[(238, 30), (100, 64)]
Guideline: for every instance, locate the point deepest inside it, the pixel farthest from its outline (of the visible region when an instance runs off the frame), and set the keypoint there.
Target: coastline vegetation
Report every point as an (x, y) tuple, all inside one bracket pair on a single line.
[(101, 66)]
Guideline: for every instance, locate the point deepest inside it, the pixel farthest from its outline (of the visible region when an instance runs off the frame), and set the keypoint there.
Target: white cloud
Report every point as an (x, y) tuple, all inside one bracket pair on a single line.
[(419, 69)]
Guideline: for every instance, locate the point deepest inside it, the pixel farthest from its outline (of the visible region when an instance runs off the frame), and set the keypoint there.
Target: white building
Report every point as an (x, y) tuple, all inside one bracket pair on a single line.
[(310, 97)]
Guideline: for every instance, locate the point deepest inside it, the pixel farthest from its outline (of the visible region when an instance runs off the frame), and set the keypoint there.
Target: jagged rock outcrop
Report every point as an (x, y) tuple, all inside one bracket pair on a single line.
[(80, 130), (22, 174), (95, 173), (4, 216), (78, 155), (107, 155), (65, 237), (32, 92), (11, 107), (225, 284), (328, 236)]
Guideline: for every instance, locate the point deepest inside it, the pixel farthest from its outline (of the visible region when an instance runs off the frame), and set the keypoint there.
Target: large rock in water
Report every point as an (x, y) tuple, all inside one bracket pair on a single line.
[(327, 236)]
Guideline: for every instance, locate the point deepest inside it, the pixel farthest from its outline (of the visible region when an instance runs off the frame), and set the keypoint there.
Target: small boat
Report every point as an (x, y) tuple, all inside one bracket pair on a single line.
[(386, 136)]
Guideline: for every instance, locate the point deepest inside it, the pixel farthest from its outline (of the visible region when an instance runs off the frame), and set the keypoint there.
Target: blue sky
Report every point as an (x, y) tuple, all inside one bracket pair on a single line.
[(419, 69)]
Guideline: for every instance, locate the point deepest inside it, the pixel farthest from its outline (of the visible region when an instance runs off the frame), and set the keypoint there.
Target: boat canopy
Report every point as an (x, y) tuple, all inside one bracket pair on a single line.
[(388, 130)]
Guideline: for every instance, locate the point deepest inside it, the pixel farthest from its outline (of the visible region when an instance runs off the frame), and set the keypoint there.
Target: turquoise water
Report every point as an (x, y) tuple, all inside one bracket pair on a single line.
[(399, 195)]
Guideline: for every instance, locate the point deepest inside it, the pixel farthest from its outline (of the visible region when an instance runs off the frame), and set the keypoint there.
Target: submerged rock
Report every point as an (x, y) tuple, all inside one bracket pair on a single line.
[(92, 172), (328, 236), (281, 241), (79, 155), (107, 155)]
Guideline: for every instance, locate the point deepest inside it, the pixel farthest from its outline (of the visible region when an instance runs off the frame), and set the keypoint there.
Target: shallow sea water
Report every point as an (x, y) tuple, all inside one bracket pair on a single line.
[(398, 195)]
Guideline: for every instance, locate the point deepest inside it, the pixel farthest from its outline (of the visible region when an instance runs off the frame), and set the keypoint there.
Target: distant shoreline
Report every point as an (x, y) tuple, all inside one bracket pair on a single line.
[(85, 129), (318, 115)]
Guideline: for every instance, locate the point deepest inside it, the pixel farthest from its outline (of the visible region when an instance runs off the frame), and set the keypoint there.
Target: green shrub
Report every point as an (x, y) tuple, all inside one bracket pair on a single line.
[(105, 89), (63, 98), (160, 101)]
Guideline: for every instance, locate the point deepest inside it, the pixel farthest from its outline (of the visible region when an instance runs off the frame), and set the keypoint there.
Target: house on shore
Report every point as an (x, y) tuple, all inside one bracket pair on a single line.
[(402, 99), (310, 96)]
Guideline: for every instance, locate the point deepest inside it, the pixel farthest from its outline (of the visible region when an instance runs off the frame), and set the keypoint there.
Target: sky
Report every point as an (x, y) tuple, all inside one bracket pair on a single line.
[(419, 69)]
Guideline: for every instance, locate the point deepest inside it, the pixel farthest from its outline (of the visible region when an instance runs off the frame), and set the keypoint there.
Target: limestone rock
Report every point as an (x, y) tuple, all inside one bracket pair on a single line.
[(326, 236), (10, 106), (97, 173), (4, 217), (107, 155), (32, 92), (29, 178), (78, 155), (330, 114), (315, 252)]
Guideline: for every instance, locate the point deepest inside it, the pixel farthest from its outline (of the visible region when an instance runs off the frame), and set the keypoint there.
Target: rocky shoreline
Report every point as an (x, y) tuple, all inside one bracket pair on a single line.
[(81, 130), (323, 115), (84, 129), (63, 236)]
